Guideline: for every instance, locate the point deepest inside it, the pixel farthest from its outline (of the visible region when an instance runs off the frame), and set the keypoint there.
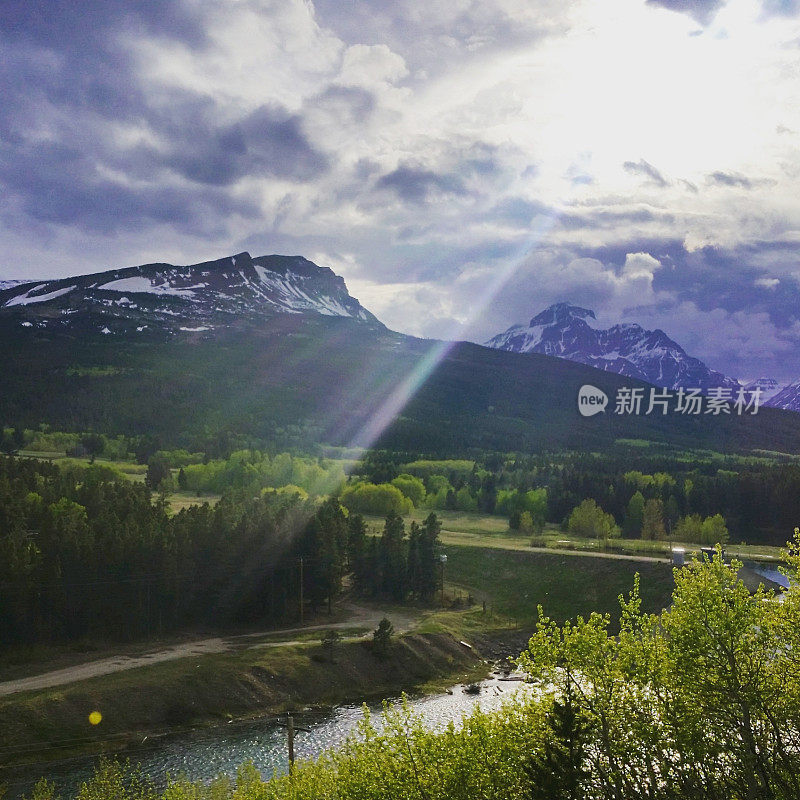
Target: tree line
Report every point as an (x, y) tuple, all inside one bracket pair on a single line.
[(84, 552)]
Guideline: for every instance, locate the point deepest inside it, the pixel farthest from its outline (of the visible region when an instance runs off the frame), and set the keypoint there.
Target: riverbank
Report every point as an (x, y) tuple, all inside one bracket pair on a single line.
[(205, 690)]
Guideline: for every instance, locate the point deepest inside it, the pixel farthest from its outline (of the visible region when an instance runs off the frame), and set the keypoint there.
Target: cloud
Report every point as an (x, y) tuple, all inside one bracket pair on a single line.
[(702, 11), (433, 152), (647, 170), (415, 184), (640, 265), (730, 179), (767, 283), (59, 184), (267, 142), (781, 8), (371, 65)]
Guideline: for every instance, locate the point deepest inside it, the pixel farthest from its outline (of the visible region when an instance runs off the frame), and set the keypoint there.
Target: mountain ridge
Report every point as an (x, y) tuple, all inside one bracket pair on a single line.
[(191, 298), (563, 330), (295, 360)]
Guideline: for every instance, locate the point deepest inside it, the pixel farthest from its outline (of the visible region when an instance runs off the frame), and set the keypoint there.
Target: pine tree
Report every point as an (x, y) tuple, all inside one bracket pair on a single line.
[(382, 638), (414, 573), (393, 557), (428, 555), (358, 560), (557, 773)]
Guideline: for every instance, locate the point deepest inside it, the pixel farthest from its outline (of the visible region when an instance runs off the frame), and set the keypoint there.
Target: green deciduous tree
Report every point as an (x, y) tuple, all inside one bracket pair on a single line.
[(653, 520), (413, 488), (634, 516), (590, 521), (698, 702)]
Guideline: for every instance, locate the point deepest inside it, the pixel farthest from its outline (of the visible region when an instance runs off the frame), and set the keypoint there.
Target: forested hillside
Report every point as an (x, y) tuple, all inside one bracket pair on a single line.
[(298, 381)]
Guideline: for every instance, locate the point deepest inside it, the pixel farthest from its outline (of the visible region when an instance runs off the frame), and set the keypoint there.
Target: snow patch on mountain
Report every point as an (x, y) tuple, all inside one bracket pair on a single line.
[(146, 285), (30, 297)]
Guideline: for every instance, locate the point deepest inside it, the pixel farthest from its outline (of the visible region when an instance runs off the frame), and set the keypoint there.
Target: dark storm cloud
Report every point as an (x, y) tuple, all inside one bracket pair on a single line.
[(730, 179), (55, 183), (415, 184), (712, 277), (59, 22), (69, 53), (267, 142), (65, 70), (646, 170), (702, 11)]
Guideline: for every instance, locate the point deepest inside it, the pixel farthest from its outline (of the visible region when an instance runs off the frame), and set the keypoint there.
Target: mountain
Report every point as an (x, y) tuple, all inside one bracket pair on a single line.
[(768, 387), (195, 298), (788, 398), (572, 333), (288, 359)]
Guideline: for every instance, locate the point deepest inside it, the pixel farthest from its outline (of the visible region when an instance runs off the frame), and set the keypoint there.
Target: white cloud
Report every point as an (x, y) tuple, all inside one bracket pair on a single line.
[(767, 283), (371, 66)]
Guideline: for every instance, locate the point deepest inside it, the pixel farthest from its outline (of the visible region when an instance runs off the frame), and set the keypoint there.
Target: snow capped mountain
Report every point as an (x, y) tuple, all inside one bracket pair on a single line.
[(768, 388), (194, 298), (571, 332), (787, 398)]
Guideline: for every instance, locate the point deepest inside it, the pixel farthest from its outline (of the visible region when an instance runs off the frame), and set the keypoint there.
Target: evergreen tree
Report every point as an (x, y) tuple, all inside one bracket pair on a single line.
[(671, 515), (93, 444), (558, 773), (330, 639), (159, 476), (382, 638), (393, 557), (358, 560), (414, 573), (428, 556), (487, 498)]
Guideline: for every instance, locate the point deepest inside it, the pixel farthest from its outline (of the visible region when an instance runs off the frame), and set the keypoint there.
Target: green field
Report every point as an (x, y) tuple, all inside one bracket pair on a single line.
[(485, 530), (515, 583)]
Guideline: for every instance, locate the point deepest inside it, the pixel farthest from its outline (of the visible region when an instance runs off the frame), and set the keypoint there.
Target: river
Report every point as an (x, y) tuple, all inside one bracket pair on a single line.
[(204, 754)]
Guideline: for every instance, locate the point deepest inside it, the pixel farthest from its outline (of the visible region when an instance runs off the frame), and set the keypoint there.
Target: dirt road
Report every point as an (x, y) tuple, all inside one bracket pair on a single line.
[(358, 617)]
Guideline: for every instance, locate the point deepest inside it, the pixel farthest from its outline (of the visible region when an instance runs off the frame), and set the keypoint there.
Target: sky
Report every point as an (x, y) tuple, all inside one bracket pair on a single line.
[(463, 164)]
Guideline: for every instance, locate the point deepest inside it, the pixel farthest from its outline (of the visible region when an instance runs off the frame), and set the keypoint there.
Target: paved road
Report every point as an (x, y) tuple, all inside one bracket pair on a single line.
[(359, 616)]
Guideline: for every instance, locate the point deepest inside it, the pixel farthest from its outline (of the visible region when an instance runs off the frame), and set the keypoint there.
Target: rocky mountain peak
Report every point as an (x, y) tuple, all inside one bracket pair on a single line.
[(193, 298), (627, 348)]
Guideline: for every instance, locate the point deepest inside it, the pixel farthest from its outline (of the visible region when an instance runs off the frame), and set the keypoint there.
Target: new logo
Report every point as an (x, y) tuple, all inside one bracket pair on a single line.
[(591, 400)]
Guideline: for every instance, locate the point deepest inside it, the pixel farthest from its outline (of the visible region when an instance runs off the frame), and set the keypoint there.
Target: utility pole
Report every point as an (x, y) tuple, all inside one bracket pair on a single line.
[(301, 590), (290, 731), (442, 562), (290, 737)]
